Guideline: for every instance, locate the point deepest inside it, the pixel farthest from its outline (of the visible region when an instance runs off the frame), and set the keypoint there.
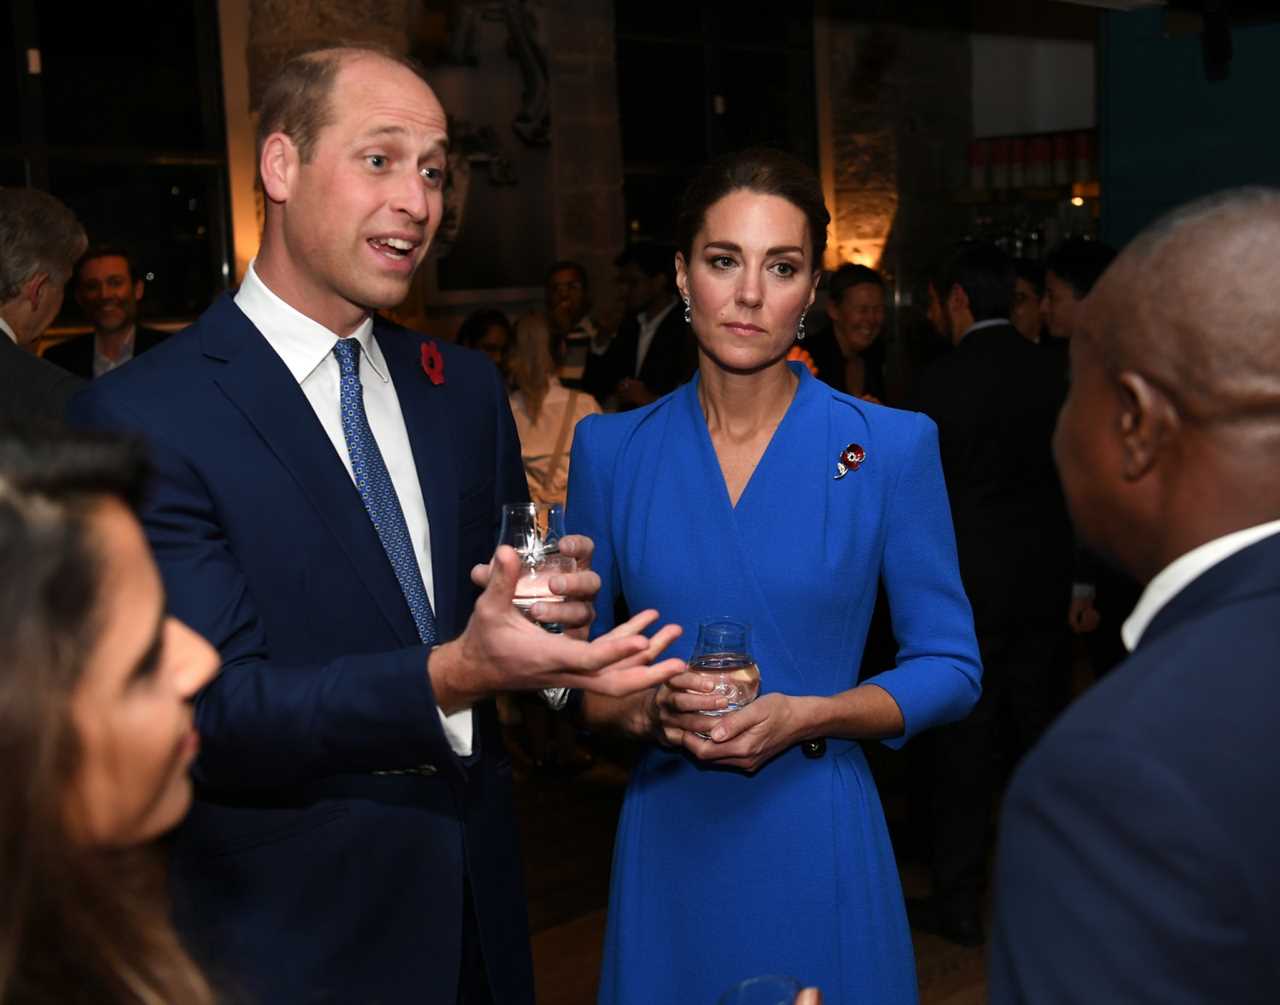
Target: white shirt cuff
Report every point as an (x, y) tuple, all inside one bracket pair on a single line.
[(457, 730)]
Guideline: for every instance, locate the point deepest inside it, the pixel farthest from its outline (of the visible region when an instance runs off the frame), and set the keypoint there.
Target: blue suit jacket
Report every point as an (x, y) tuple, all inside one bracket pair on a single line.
[(1138, 854), (300, 875)]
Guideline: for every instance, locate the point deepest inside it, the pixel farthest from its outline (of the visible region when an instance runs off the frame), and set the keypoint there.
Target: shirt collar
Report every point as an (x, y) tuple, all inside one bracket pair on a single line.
[(1181, 572), (4, 327), (979, 325), (303, 344)]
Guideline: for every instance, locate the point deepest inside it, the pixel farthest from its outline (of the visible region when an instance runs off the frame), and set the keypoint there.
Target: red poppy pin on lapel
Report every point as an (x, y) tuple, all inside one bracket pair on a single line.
[(850, 459), (432, 363)]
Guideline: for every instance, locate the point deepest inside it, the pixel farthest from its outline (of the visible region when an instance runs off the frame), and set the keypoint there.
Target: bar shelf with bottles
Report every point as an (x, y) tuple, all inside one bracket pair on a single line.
[(1027, 193)]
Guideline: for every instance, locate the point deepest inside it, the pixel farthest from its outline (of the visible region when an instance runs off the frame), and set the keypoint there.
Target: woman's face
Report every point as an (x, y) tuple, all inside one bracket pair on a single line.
[(132, 705), (494, 344), (749, 278)]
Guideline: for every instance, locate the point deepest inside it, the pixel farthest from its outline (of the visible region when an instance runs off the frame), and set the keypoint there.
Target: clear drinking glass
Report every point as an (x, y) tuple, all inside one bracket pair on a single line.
[(770, 990), (534, 530), (723, 655)]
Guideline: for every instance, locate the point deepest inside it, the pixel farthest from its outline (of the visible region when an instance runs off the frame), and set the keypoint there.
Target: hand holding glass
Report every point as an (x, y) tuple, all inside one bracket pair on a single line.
[(722, 655), (534, 530)]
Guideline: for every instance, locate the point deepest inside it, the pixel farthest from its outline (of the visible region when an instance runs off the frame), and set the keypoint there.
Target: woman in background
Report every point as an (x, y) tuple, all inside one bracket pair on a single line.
[(489, 331), (96, 731), (546, 411), (759, 493)]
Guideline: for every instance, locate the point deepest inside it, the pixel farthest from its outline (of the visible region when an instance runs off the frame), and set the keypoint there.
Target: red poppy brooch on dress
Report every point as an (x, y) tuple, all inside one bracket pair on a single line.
[(850, 459), (432, 363)]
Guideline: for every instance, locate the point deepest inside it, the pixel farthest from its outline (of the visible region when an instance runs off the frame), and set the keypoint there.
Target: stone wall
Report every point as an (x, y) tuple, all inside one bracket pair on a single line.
[(900, 120), (586, 142)]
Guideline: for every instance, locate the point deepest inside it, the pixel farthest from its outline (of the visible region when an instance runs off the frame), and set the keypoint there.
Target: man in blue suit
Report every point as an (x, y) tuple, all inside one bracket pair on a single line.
[(1138, 855), (325, 484)]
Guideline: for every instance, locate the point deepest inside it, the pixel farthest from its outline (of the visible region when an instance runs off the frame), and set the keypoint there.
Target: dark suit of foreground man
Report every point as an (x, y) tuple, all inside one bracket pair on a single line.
[(353, 835), (1138, 855)]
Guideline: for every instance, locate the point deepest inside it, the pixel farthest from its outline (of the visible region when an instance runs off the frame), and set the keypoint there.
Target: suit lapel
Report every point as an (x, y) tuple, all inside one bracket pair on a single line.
[(428, 421), (259, 385)]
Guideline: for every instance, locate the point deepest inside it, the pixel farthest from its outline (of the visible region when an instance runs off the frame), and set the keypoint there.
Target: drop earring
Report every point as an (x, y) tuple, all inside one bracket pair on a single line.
[(688, 311), (800, 328)]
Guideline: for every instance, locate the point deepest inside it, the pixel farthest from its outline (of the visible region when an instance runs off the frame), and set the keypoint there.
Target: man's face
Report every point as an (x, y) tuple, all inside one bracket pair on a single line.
[(108, 294), (566, 298), (937, 315), (638, 290), (859, 316), (1060, 306), (359, 216), (1025, 315)]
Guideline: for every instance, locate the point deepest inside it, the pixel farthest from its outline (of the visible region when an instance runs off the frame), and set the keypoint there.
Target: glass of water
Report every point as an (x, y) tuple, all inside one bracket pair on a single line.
[(722, 655), (534, 530), (770, 990)]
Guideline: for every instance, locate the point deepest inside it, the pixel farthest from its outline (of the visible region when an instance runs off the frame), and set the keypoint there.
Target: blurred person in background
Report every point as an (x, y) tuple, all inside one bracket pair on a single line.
[(1028, 292), (545, 411), (108, 289), (40, 240), (574, 333), (995, 398), (490, 331), (653, 352), (849, 353), (1101, 596), (96, 730)]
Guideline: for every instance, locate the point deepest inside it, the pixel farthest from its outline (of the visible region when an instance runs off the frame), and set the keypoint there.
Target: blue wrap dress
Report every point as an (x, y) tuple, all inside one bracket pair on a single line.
[(719, 875)]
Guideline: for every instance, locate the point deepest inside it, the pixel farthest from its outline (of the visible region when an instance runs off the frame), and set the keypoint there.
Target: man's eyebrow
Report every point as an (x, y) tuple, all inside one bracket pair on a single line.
[(390, 130)]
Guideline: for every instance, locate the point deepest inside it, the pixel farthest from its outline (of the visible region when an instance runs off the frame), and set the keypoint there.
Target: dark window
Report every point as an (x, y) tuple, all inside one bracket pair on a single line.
[(119, 114), (697, 79)]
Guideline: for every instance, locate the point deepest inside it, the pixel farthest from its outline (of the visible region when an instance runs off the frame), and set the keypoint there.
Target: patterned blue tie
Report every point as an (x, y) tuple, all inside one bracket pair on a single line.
[(379, 495)]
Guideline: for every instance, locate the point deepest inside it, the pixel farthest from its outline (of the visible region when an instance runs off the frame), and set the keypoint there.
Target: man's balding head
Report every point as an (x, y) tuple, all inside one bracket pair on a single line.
[(1203, 282), (1169, 434)]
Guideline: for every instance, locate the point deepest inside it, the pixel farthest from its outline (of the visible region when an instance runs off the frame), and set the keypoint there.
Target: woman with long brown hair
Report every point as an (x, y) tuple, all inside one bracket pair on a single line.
[(96, 731), (545, 411)]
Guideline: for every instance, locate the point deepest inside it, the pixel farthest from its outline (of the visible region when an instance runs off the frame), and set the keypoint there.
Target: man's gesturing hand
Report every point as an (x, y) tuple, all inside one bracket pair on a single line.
[(501, 650), (579, 588)]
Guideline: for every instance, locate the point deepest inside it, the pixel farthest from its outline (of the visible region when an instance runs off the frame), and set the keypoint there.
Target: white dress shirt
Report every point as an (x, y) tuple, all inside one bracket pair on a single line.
[(4, 327), (306, 347), (1181, 572), (649, 328), (103, 364)]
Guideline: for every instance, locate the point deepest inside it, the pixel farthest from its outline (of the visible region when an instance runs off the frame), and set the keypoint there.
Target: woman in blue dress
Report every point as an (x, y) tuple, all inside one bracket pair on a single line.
[(763, 849)]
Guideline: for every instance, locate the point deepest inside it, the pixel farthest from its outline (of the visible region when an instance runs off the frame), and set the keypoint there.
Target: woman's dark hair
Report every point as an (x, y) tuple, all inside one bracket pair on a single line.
[(473, 329), (77, 923), (759, 169)]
